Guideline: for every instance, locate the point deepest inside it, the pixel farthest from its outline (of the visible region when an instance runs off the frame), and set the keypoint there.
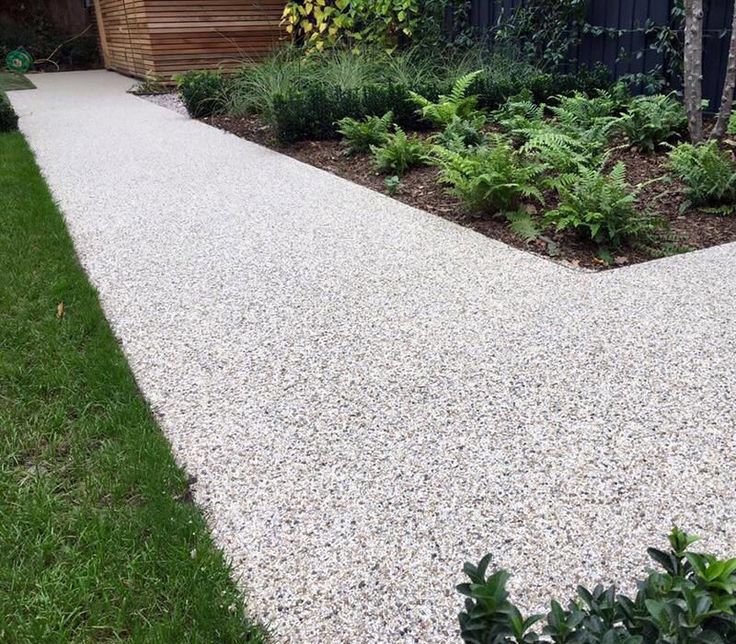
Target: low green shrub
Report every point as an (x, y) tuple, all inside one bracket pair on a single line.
[(707, 172), (361, 135), (8, 117), (399, 153), (449, 106), (202, 92), (490, 179), (652, 120), (690, 601), (600, 206), (313, 112), (545, 86)]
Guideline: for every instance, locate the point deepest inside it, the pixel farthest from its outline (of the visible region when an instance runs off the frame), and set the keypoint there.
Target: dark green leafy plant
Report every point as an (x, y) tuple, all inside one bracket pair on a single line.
[(8, 117), (600, 206), (691, 602), (462, 133), (591, 116), (490, 179), (455, 104), (399, 153), (520, 116), (544, 31), (652, 120), (313, 112), (203, 92), (560, 152), (707, 171), (361, 135)]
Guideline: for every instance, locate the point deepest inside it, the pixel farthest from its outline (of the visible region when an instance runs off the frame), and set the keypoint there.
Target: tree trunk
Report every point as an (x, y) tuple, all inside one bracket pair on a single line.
[(729, 82), (693, 68)]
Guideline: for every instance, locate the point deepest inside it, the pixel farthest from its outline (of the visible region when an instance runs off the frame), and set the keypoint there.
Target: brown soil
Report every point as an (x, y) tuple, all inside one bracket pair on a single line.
[(419, 188)]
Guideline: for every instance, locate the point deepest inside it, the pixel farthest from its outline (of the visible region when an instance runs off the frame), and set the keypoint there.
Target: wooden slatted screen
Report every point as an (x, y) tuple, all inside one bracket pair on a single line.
[(169, 36)]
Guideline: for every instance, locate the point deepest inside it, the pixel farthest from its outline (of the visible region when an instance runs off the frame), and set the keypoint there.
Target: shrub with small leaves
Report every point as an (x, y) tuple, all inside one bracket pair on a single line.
[(361, 135), (490, 179), (448, 106), (202, 92), (399, 153), (8, 117), (691, 601), (707, 172), (652, 120), (600, 206)]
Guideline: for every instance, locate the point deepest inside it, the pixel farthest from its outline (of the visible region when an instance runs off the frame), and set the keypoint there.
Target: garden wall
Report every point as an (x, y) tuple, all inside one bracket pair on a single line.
[(628, 51)]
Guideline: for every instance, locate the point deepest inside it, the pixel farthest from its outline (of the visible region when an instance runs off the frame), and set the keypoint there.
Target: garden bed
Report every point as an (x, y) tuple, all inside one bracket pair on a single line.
[(692, 230)]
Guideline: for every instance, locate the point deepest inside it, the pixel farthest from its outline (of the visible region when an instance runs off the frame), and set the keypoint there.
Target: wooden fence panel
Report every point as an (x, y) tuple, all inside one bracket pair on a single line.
[(629, 52)]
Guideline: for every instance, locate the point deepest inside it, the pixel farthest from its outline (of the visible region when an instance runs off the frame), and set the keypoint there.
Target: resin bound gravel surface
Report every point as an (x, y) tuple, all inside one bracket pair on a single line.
[(369, 395)]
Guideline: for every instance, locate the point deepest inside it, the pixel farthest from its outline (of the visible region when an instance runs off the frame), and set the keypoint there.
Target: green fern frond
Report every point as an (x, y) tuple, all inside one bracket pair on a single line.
[(523, 225), (462, 85)]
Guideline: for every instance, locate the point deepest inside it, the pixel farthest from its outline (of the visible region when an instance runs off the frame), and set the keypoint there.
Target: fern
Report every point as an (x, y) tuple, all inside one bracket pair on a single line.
[(523, 225), (706, 171), (399, 153), (520, 116), (462, 133), (561, 152), (489, 179), (455, 104), (600, 206), (652, 120), (361, 135)]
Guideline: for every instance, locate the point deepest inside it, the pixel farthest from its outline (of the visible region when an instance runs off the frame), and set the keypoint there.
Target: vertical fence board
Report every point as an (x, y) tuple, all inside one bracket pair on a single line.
[(630, 17)]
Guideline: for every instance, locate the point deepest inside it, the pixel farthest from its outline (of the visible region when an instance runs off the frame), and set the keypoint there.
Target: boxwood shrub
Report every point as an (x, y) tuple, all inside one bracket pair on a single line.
[(312, 111), (8, 117), (690, 600), (202, 92)]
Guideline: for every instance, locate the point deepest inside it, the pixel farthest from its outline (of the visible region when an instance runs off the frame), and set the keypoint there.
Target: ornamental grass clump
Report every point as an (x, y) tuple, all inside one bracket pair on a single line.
[(690, 600)]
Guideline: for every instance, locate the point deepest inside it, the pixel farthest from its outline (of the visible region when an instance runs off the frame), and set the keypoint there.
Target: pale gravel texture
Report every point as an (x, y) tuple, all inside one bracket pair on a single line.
[(370, 395), (169, 101)]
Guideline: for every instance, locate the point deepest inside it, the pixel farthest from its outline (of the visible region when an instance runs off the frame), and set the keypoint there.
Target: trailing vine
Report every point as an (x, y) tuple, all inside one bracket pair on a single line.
[(545, 31), (358, 24)]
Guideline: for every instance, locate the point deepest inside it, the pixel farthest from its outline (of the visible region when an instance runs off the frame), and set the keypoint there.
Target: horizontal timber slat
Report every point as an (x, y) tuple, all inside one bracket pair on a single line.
[(165, 37)]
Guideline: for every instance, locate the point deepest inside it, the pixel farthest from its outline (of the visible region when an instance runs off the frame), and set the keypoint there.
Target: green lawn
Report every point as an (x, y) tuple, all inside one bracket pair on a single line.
[(10, 82), (98, 538)]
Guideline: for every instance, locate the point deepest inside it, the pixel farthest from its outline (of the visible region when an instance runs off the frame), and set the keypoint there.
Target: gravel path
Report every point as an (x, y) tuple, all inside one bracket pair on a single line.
[(369, 395), (169, 101)]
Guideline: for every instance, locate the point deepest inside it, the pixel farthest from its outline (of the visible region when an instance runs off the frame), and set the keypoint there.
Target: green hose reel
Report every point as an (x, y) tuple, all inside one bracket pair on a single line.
[(18, 61)]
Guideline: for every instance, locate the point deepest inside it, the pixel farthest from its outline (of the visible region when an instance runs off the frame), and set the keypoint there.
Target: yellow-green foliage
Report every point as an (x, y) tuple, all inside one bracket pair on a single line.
[(324, 23)]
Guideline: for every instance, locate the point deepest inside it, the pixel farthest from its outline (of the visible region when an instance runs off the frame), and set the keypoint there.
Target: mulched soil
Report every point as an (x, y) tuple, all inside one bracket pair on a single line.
[(419, 188)]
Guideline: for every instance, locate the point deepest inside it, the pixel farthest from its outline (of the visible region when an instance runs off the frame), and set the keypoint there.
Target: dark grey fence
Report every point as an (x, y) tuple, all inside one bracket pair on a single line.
[(625, 47)]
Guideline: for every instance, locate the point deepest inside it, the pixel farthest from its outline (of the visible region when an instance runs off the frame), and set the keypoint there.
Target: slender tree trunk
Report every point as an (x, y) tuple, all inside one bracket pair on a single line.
[(729, 82), (693, 68)]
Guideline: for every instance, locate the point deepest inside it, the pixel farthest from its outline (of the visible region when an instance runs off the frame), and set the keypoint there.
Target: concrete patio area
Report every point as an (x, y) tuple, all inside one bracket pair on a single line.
[(369, 395)]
